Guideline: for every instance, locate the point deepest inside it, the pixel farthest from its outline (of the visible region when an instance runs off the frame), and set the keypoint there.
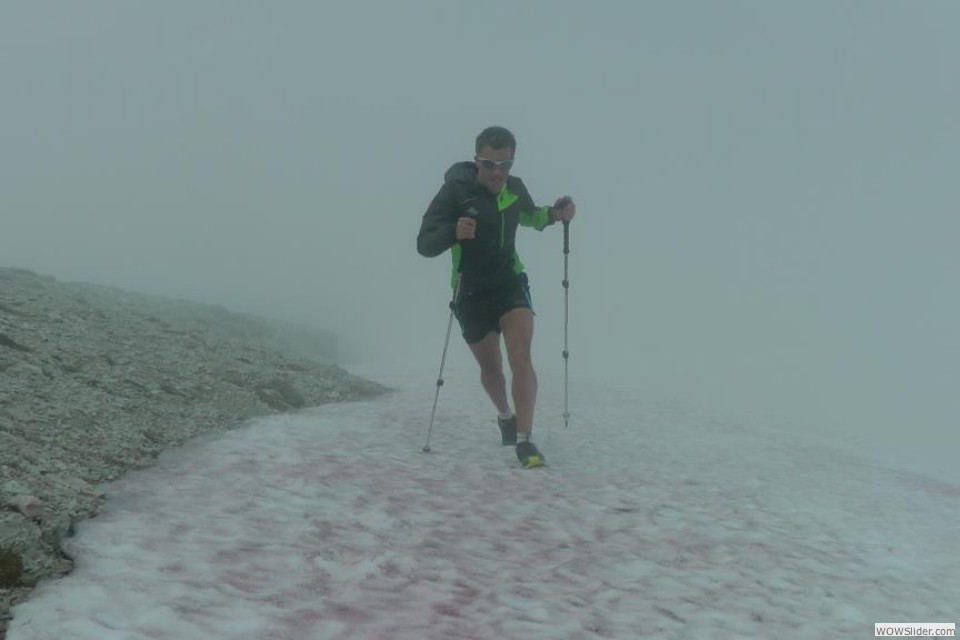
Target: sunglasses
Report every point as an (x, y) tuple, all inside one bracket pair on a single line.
[(490, 164)]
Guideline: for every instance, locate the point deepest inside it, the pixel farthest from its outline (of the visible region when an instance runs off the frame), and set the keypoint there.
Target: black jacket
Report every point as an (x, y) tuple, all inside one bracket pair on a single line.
[(490, 260)]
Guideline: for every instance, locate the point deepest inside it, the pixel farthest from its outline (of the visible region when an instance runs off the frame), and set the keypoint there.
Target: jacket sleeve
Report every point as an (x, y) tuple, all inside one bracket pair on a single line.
[(438, 231), (530, 214)]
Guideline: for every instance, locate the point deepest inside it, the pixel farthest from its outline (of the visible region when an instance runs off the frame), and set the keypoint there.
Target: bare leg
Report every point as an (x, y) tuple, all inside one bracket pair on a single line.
[(517, 326), (487, 353)]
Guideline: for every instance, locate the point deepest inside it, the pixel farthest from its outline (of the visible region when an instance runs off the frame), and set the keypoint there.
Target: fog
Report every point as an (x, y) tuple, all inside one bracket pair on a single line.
[(766, 225)]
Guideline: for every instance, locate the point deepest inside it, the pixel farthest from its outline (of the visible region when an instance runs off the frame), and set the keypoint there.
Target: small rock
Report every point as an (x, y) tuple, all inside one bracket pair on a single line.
[(56, 528), (272, 398), (288, 392), (24, 552), (82, 486), (29, 506), (10, 343), (232, 376)]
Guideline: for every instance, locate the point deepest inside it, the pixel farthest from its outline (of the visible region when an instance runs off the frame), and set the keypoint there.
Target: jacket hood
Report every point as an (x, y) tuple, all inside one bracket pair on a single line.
[(465, 171)]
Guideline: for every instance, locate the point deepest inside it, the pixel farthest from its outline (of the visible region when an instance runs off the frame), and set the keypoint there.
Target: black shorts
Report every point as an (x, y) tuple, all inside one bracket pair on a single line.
[(479, 313)]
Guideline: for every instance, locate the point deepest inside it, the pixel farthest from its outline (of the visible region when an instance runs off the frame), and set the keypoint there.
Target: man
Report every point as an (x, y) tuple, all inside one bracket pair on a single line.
[(476, 214)]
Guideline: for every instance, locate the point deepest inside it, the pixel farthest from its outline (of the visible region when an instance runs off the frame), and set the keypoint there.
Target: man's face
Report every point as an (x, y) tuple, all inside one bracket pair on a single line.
[(493, 167)]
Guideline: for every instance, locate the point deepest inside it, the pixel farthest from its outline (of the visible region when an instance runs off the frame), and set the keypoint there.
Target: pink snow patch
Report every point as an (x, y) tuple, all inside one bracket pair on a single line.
[(331, 525)]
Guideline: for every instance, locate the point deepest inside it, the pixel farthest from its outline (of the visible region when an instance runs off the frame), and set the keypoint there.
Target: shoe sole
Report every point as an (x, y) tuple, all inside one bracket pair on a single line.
[(533, 462)]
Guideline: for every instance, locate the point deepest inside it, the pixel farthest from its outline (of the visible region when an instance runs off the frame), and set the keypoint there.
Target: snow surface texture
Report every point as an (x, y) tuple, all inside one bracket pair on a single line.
[(651, 521)]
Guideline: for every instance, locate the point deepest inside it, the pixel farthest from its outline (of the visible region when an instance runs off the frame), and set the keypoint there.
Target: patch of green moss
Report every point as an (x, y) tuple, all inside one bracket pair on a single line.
[(11, 569)]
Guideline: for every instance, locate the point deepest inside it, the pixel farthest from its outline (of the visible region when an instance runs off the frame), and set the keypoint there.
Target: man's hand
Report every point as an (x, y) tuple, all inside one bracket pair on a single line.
[(466, 228), (563, 210)]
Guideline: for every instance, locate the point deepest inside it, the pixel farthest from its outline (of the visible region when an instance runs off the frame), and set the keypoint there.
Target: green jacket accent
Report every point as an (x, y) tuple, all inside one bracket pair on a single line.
[(490, 260)]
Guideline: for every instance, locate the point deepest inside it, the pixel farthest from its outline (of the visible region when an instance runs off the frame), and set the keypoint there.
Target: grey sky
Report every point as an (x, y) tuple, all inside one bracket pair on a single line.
[(766, 219)]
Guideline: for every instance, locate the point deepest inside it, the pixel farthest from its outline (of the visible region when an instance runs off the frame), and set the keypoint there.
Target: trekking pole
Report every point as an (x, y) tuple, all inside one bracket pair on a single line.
[(443, 359), (566, 313)]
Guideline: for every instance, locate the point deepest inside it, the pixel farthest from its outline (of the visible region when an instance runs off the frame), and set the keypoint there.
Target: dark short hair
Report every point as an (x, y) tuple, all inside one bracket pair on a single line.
[(496, 138)]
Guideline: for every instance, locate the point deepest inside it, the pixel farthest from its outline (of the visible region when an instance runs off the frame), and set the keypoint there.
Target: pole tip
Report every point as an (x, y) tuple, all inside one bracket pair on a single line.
[(426, 449)]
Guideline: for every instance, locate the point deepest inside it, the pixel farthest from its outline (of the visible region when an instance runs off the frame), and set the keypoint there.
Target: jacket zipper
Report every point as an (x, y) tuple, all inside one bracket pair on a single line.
[(500, 215)]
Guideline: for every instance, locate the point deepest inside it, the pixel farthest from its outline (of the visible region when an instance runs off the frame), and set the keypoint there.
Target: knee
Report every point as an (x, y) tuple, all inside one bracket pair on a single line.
[(520, 359)]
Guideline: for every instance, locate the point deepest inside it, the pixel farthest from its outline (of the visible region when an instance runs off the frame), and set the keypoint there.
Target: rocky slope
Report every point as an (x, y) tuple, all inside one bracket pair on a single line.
[(95, 381)]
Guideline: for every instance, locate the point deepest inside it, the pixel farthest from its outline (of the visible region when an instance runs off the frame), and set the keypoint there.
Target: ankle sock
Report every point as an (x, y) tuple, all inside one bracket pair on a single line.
[(506, 416)]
